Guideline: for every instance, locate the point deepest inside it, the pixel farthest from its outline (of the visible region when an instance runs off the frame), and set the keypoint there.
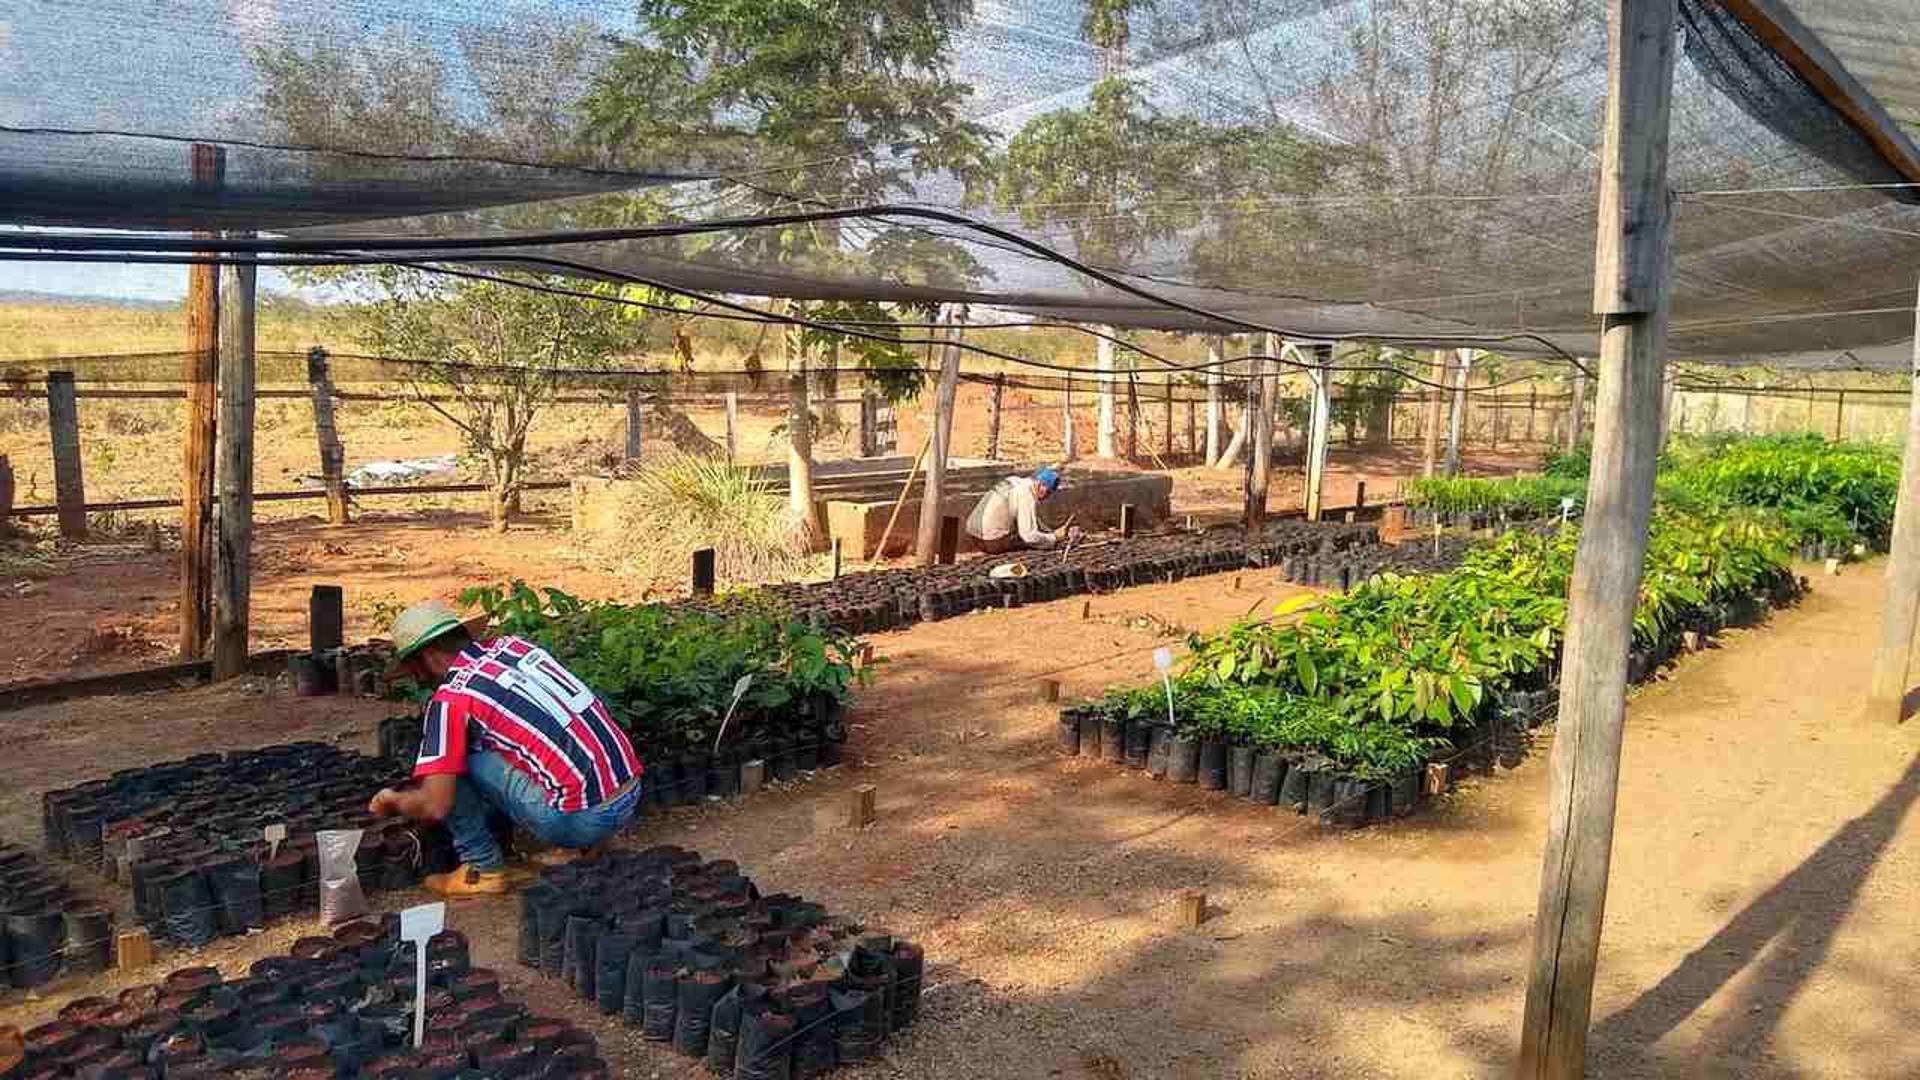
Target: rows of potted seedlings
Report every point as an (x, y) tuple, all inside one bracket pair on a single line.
[(44, 930), (187, 838), (333, 1008), (690, 952), (1337, 713)]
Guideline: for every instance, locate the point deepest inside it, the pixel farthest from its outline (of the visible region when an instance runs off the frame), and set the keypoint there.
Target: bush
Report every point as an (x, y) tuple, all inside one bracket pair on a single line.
[(682, 502), (1518, 496)]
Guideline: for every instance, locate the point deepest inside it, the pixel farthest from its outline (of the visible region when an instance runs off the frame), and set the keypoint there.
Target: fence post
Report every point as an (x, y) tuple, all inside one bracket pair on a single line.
[(869, 426), (635, 425), (733, 419), (333, 456), (1103, 434), (69, 490), (201, 366), (1133, 417), (1193, 428), (6, 495), (993, 415), (1066, 422), (233, 550)]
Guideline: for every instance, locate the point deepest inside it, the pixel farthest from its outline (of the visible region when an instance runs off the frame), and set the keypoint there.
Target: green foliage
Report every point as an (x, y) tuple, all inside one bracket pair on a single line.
[(889, 364), (679, 503), (1377, 678), (667, 673), (1519, 496)]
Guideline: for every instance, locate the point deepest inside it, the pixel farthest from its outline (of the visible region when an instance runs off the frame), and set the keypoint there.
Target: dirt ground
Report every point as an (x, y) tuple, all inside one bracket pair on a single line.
[(111, 605), (1761, 920)]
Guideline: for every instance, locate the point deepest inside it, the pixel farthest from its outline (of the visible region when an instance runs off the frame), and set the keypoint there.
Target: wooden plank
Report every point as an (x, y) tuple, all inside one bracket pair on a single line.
[(940, 425), (63, 425), (333, 455), (21, 695), (1631, 263), (1802, 50), (198, 372), (233, 548), (1193, 909), (1887, 692)]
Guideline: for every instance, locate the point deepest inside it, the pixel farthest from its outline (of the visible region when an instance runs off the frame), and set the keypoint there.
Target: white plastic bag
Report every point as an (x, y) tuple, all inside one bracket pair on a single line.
[(340, 895)]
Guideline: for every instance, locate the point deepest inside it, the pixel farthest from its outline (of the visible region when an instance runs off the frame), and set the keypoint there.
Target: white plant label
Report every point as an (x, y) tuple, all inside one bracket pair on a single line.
[(739, 691), (275, 835), (1566, 508), (419, 924), (1163, 659)]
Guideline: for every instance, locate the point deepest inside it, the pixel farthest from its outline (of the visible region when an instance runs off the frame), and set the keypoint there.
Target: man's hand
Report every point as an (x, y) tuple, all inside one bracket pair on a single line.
[(1071, 534), (385, 803)]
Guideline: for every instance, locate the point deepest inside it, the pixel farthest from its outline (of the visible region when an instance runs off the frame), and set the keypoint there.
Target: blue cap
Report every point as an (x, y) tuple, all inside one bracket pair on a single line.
[(1048, 478)]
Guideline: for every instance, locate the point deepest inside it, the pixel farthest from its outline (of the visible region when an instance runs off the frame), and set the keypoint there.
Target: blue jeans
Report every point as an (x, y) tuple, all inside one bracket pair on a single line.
[(491, 783)]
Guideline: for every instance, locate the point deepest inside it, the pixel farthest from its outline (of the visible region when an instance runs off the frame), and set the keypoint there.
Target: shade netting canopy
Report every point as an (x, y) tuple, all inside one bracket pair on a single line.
[(1415, 171)]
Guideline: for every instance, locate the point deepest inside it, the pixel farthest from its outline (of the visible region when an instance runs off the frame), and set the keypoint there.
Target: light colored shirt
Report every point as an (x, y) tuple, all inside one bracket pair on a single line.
[(1010, 506)]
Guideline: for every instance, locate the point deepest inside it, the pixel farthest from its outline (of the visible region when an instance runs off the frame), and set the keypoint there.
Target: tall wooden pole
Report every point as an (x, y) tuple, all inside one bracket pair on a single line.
[(1576, 418), (1068, 451), (333, 456), (1215, 354), (1630, 295), (993, 415), (1436, 406), (800, 501), (940, 427), (1886, 696), (1457, 419), (733, 425), (1319, 427), (69, 485), (233, 550), (1259, 433), (1104, 433), (196, 493)]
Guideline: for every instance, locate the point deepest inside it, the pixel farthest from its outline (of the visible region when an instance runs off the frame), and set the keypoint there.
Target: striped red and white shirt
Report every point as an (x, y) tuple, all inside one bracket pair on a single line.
[(509, 696)]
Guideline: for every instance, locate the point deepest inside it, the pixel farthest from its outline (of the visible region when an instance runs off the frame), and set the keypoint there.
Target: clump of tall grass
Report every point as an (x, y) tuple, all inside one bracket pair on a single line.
[(679, 503)]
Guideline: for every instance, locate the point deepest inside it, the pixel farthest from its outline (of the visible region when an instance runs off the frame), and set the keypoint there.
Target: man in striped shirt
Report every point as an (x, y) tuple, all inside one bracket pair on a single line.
[(508, 728)]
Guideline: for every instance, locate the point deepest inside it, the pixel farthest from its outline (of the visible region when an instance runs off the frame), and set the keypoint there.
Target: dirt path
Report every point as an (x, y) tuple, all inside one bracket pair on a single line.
[(1761, 922)]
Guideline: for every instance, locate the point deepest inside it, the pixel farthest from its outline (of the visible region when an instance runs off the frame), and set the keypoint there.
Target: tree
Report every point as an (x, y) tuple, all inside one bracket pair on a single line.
[(497, 353)]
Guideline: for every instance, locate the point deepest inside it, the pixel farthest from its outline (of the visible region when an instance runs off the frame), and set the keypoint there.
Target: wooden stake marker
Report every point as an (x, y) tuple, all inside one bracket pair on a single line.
[(1193, 908), (1049, 689), (860, 812), (753, 776), (132, 950), (1438, 777)]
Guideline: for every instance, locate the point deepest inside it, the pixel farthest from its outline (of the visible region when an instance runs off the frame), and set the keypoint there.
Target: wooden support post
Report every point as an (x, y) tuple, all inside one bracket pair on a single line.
[(835, 548), (949, 540), (326, 618), (333, 455), (1259, 433), (733, 426), (1886, 696), (1360, 493), (233, 547), (1436, 399), (1067, 449), (1193, 909), (1631, 266), (132, 950), (1104, 432), (1575, 420), (1049, 690), (6, 495), (1166, 437), (800, 459), (636, 425), (63, 422), (1839, 415), (1457, 419), (196, 495), (860, 807), (1193, 428), (940, 427), (993, 415), (1319, 428), (1133, 417), (1126, 521), (1216, 355), (703, 572)]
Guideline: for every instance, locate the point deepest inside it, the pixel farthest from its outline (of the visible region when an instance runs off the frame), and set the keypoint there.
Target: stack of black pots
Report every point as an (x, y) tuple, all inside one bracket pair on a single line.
[(897, 597), (1349, 568), (43, 929), (759, 987), (186, 837), (336, 1008)]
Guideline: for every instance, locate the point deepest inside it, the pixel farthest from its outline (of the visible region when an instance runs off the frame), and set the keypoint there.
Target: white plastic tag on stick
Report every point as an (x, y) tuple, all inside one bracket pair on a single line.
[(275, 836), (1163, 659), (419, 924), (739, 691)]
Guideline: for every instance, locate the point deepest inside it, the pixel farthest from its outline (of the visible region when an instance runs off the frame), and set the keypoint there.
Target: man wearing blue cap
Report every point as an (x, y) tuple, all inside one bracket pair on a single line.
[(1007, 518)]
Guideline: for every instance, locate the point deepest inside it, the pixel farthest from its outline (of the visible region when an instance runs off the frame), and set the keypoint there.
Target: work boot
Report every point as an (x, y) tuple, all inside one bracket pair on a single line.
[(465, 880)]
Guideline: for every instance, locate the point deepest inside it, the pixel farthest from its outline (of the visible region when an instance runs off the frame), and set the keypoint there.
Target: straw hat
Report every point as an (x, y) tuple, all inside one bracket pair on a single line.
[(425, 621)]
